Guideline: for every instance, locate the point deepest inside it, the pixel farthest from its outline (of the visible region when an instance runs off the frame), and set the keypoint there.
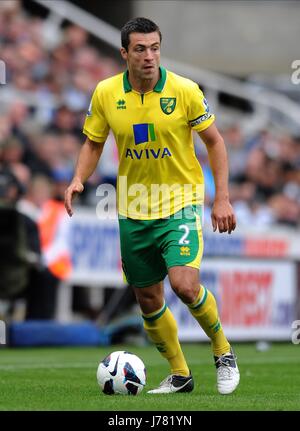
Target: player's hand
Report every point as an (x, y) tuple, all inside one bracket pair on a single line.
[(222, 216), (74, 188)]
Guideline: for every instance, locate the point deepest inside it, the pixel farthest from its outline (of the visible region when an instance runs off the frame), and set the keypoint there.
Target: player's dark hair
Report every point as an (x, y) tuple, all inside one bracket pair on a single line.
[(138, 25)]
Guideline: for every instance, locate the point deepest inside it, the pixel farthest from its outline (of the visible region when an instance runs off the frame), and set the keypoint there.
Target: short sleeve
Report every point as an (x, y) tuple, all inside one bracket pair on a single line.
[(199, 115), (95, 126)]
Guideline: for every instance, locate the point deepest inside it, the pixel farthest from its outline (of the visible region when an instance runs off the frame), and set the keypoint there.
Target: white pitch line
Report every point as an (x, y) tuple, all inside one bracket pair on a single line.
[(9, 367), (271, 360)]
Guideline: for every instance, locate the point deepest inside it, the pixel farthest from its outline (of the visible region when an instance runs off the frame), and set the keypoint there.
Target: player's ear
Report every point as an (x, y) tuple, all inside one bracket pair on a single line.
[(123, 53)]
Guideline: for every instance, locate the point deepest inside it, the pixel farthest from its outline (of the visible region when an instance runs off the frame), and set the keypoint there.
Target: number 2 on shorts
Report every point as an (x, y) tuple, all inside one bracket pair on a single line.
[(183, 239)]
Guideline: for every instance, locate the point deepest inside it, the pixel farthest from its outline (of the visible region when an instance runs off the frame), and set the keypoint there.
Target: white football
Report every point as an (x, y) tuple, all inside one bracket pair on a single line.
[(121, 372)]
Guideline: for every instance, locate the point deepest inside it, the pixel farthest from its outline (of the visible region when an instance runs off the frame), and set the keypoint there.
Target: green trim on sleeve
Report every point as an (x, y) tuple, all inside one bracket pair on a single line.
[(94, 138)]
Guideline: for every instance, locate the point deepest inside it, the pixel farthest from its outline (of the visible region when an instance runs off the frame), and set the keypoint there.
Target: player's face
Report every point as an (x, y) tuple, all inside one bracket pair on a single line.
[(143, 55)]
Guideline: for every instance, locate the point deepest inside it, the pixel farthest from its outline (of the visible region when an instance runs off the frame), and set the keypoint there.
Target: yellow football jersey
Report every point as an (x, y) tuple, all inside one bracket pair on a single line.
[(158, 170)]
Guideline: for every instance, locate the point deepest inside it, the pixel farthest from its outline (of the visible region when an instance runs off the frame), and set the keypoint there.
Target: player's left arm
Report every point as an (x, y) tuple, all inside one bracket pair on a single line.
[(222, 214)]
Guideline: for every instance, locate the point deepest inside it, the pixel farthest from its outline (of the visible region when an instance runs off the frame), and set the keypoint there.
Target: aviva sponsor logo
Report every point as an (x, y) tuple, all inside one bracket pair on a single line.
[(143, 133), (148, 153)]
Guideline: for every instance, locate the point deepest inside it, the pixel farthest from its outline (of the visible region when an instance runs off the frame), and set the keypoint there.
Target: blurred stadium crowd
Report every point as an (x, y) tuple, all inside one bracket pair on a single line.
[(50, 77), (264, 177), (42, 136)]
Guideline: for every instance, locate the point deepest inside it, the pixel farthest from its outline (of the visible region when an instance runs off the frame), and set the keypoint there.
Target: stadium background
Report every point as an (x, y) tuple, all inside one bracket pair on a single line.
[(69, 289)]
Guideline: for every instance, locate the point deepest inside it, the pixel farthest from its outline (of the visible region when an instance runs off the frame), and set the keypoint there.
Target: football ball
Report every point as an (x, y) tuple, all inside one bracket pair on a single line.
[(121, 372)]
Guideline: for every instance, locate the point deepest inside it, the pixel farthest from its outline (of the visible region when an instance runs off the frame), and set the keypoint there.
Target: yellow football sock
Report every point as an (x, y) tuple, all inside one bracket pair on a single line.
[(205, 311), (161, 328)]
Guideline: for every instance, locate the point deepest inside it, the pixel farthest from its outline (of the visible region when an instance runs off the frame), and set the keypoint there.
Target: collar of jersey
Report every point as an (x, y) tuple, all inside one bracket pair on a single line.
[(158, 87)]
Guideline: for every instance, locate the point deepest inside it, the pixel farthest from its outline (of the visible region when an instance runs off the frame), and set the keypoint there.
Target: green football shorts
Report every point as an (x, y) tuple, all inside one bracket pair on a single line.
[(150, 247)]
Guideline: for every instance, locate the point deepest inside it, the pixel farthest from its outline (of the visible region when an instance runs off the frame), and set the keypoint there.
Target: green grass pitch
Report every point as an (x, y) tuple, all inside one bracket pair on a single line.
[(65, 379)]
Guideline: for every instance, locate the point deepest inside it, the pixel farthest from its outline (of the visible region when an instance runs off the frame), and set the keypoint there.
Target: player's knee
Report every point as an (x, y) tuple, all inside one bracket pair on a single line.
[(186, 290), (149, 300)]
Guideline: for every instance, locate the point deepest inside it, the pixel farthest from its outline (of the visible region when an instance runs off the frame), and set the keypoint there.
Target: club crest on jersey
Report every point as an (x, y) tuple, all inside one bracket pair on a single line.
[(167, 104)]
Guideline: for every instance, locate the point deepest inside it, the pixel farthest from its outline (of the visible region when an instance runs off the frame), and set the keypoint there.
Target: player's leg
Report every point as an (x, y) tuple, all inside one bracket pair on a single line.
[(183, 262), (161, 327), (201, 303), (144, 269)]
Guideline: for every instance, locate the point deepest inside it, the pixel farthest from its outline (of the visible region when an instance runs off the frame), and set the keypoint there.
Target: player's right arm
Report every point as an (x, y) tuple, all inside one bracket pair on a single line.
[(86, 164)]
